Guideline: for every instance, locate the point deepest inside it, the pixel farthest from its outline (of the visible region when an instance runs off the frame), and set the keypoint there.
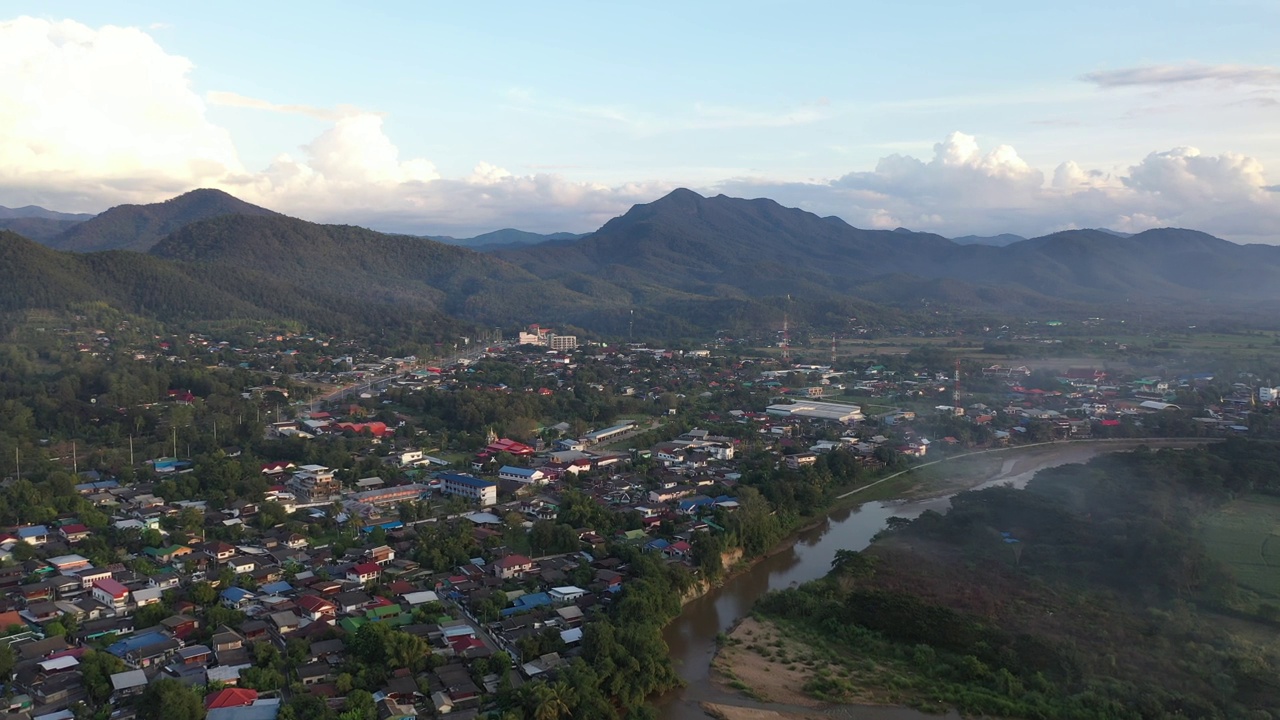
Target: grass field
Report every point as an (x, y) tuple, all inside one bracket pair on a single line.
[(1245, 534)]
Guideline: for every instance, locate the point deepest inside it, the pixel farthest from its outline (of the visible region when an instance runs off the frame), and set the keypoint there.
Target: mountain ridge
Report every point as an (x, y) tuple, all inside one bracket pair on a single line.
[(139, 227)]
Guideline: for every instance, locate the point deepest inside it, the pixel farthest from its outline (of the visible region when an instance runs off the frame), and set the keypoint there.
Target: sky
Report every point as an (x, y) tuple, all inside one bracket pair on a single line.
[(460, 118)]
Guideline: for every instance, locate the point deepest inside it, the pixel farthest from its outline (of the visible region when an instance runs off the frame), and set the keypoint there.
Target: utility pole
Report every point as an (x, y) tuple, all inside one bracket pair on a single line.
[(17, 463), (75, 467), (130, 451), (175, 441)]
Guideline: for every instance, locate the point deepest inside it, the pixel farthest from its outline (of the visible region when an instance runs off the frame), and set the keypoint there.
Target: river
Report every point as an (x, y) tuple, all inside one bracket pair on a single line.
[(691, 637)]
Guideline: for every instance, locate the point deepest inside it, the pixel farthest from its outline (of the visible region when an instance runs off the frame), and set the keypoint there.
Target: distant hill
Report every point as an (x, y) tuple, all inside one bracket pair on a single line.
[(33, 211), (39, 229), (507, 237), (1001, 240), (138, 227), (758, 248), (38, 223)]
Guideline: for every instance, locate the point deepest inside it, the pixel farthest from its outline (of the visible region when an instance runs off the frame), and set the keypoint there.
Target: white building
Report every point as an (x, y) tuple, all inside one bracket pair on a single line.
[(813, 410), (484, 492)]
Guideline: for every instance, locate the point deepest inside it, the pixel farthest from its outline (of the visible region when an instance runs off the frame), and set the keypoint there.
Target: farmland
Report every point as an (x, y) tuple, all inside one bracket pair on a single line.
[(1245, 535)]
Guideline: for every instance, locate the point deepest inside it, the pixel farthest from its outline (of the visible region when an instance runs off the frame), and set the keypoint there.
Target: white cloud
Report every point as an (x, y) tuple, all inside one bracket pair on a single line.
[(1164, 75), (92, 117), (962, 190), (86, 112)]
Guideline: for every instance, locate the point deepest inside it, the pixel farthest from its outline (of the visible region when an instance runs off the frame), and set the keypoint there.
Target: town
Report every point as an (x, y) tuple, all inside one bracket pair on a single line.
[(392, 537)]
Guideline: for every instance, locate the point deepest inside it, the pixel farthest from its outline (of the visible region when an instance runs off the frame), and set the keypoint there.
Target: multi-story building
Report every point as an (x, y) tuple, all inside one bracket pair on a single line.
[(316, 483), (484, 492), (562, 342)]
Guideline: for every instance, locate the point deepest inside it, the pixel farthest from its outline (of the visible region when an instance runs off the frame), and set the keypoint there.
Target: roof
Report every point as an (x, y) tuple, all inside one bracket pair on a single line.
[(235, 594), (367, 569), (128, 679), (112, 587), (261, 709), (512, 561), (467, 480)]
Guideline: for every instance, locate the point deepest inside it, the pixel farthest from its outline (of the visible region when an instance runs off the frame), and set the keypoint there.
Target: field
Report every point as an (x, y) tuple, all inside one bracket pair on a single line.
[(1245, 534)]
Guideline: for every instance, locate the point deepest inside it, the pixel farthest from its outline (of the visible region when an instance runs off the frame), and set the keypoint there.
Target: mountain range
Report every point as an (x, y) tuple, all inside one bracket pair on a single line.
[(682, 264)]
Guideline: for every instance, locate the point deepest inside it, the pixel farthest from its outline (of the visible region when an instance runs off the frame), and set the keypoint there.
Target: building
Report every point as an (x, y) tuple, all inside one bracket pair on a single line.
[(511, 566), (391, 495), (316, 483), (598, 436), (563, 342), (365, 573), (812, 410), (111, 593), (522, 475), (484, 492)]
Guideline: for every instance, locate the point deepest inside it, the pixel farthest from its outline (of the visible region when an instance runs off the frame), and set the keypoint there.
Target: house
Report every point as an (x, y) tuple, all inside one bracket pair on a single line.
[(33, 534), (365, 573), (799, 460), (242, 565), (74, 533), (89, 576), (317, 609), (230, 698), (127, 684), (236, 598), (111, 593), (195, 655), (511, 566), (566, 594)]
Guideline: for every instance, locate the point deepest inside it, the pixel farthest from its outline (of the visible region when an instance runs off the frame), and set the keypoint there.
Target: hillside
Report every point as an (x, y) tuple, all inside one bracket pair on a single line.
[(40, 229), (33, 211), (507, 238), (35, 277), (757, 247), (139, 227), (1000, 240)]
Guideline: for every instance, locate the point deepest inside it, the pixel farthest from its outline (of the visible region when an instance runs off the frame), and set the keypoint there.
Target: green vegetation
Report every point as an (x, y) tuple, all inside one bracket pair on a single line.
[(1244, 534), (1090, 594)]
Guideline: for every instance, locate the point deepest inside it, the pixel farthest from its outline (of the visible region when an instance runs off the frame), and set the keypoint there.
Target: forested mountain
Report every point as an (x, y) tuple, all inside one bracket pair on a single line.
[(507, 237), (39, 229), (38, 223), (36, 277), (138, 227), (33, 211), (683, 264), (1000, 240), (704, 245)]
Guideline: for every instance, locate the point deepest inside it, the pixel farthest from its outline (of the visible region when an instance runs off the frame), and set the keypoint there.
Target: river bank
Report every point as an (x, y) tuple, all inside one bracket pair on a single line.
[(807, 554)]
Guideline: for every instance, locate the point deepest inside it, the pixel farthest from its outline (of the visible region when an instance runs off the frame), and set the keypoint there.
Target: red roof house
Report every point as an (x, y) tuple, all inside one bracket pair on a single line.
[(230, 698)]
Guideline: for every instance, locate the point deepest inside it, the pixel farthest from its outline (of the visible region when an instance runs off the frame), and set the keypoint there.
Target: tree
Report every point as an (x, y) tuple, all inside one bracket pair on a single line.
[(96, 669), (361, 705), (168, 699), (203, 593)]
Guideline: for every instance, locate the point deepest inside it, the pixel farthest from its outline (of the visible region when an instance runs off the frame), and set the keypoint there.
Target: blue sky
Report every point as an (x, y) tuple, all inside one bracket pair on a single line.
[(460, 118)]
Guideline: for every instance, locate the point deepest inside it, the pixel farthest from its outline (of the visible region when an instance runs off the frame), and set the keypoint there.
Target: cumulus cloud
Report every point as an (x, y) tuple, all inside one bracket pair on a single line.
[(962, 190), (91, 117), (1163, 75), (86, 112)]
